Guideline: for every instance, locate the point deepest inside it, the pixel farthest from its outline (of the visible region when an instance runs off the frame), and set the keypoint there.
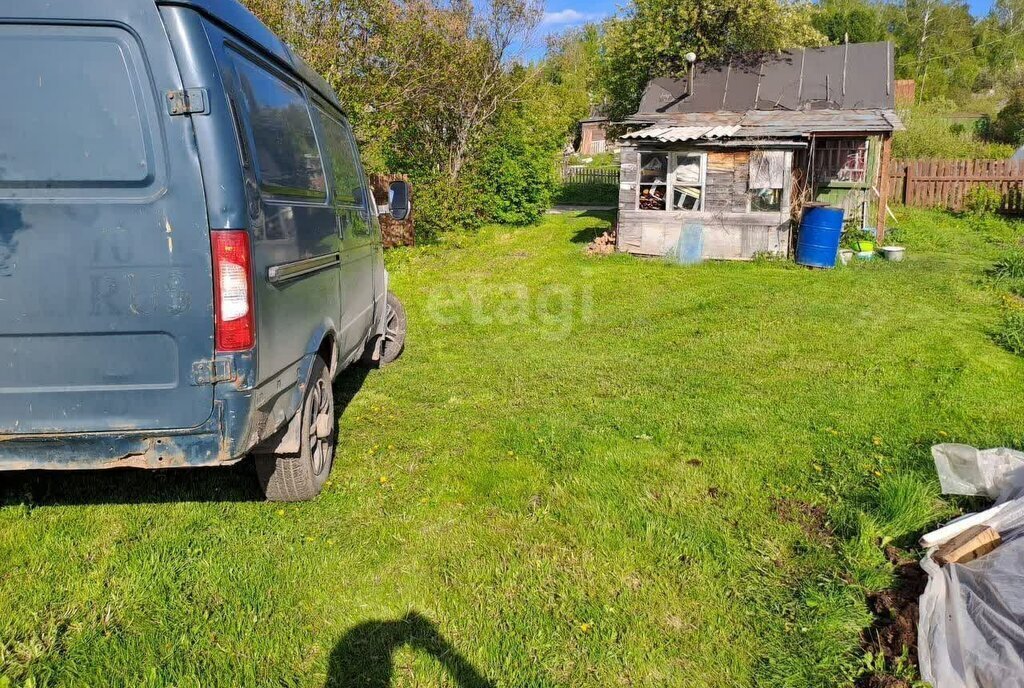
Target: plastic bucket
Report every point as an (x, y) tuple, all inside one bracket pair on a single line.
[(820, 231)]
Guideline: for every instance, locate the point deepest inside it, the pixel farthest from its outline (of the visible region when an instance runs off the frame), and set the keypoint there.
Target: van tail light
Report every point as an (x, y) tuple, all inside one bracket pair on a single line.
[(232, 290)]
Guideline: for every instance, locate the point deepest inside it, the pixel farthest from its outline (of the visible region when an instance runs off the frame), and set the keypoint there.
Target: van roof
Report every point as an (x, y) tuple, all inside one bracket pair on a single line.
[(236, 17)]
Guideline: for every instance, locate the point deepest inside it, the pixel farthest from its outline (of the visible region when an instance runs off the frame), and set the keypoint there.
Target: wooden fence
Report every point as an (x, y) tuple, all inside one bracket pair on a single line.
[(946, 183), (581, 174)]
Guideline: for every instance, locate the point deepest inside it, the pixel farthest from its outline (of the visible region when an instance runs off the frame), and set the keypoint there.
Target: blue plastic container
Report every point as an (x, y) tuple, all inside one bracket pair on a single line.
[(820, 231)]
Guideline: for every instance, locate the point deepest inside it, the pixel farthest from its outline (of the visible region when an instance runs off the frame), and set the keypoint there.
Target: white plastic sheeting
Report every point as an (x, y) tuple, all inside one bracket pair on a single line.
[(971, 628), (767, 169), (965, 470)]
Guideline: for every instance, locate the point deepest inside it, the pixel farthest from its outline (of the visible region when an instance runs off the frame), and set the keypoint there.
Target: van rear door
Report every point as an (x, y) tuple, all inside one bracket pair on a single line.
[(106, 294)]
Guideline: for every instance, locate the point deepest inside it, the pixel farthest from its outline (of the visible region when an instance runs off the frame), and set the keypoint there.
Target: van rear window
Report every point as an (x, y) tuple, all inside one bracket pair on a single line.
[(71, 114), (286, 151)]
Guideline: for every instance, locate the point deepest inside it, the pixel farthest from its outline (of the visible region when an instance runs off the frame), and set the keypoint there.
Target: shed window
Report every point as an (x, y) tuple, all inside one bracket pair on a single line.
[(671, 181), (653, 181), (688, 182), (767, 177), (840, 160)]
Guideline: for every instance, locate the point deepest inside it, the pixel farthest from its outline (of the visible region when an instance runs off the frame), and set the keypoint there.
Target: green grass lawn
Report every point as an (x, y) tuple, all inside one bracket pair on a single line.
[(585, 471)]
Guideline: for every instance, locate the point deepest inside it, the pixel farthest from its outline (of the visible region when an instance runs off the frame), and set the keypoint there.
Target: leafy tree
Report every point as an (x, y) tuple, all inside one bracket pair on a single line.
[(430, 85), (858, 20), (934, 42), (652, 37)]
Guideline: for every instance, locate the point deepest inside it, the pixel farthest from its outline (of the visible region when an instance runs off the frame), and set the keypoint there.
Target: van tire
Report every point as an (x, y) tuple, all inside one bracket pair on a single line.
[(300, 477), (396, 325)]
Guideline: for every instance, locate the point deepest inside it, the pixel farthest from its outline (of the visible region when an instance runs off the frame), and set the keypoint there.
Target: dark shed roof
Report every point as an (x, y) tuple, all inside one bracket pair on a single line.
[(856, 76)]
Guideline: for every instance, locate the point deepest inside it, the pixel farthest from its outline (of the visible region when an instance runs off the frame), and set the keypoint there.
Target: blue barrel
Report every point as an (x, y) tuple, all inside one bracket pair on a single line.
[(820, 231)]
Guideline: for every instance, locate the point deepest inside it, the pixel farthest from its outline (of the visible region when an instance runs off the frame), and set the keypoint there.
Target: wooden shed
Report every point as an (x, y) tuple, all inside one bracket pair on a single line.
[(731, 155), (594, 135)]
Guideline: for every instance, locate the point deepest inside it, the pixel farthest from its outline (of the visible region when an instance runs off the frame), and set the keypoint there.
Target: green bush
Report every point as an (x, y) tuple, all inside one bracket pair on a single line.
[(587, 194), (1009, 334), (518, 173), (1008, 125), (930, 133), (982, 200), (442, 205)]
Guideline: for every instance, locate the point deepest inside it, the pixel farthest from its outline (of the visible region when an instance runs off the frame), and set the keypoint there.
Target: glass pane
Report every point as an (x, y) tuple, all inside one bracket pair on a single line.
[(286, 150), (73, 115), (688, 170), (653, 168), (765, 200), (843, 160), (344, 166), (686, 197)]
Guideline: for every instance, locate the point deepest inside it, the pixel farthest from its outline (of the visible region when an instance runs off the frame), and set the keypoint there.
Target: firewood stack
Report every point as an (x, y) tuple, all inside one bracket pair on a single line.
[(603, 245)]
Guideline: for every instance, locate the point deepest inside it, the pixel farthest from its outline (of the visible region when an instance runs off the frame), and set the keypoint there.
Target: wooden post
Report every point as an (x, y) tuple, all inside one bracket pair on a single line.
[(883, 186)]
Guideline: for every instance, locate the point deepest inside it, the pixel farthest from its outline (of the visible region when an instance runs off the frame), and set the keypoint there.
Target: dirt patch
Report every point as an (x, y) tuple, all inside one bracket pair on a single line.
[(696, 463), (813, 520), (896, 612), (881, 681)]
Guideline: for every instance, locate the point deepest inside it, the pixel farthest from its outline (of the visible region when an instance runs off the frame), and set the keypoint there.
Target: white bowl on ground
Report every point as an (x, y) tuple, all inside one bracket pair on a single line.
[(893, 253)]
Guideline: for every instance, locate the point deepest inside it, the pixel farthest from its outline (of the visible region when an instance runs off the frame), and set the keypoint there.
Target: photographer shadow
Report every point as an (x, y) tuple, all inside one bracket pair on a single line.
[(365, 655)]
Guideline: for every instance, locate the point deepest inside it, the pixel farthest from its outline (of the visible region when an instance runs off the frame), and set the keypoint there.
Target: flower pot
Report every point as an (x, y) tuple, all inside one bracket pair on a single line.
[(845, 256), (893, 253), (865, 255)]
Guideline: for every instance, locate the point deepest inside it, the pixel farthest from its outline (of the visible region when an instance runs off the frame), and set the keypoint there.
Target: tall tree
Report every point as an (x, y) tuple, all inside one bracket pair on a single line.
[(859, 21), (652, 37), (935, 45), (426, 74)]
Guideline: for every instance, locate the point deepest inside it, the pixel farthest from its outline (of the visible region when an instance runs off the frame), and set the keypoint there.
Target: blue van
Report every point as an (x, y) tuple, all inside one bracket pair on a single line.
[(189, 249)]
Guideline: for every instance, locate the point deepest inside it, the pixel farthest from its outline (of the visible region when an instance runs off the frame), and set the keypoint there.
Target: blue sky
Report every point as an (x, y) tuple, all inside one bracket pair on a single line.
[(560, 15)]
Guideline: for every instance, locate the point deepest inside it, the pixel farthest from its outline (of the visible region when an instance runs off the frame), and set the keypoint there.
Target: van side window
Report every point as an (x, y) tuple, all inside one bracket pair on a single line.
[(287, 156), (348, 186)]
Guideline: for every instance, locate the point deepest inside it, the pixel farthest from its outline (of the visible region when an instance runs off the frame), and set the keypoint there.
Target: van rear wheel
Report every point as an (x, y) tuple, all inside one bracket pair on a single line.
[(299, 477)]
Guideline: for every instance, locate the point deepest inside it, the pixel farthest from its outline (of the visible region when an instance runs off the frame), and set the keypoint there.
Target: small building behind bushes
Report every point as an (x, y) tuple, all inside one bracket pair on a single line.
[(594, 135), (731, 155)]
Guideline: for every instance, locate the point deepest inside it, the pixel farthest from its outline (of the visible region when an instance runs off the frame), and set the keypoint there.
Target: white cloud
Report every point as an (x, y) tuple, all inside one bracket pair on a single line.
[(567, 17)]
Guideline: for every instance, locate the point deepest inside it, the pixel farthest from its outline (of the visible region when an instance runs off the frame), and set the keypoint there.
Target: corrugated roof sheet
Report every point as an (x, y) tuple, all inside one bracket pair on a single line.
[(673, 134), (857, 76), (764, 124)]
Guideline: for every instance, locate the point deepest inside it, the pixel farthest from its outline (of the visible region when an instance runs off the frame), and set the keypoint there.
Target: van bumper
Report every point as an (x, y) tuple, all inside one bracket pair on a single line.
[(210, 444)]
